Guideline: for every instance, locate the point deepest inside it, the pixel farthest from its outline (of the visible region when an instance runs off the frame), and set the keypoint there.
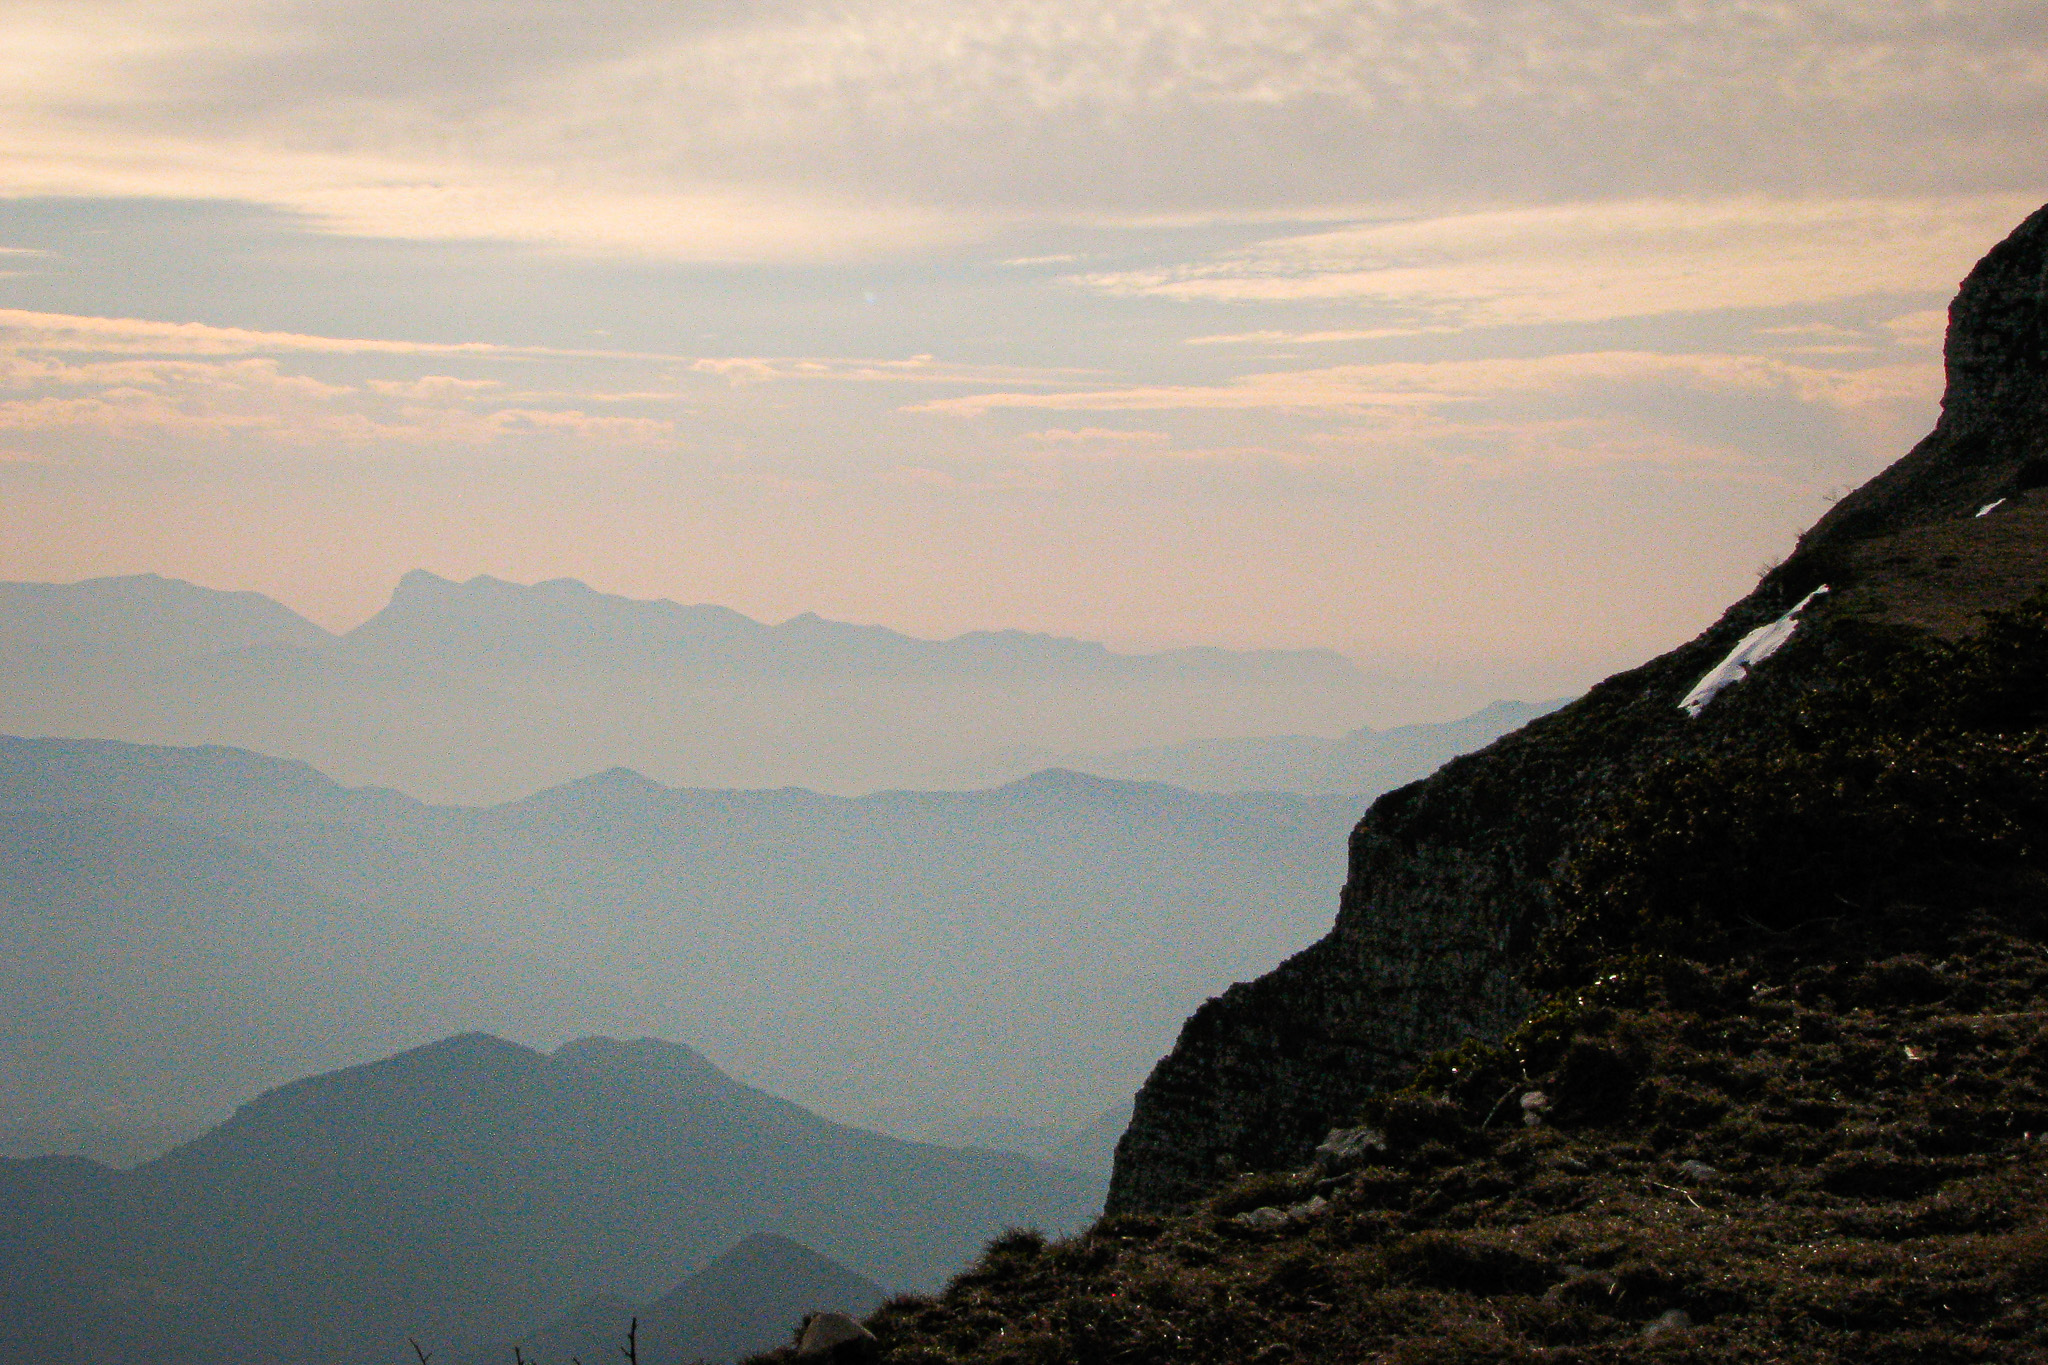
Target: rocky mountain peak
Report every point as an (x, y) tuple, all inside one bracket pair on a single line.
[(1997, 352), (1991, 443)]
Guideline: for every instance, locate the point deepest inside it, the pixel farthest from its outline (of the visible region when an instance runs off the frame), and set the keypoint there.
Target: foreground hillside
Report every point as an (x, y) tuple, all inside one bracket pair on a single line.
[(1745, 1167), (1790, 1094), (1714, 1038), (1455, 881)]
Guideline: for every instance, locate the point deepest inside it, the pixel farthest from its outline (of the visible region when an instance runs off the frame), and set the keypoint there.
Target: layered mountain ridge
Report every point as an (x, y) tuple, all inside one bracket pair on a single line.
[(474, 1190), (429, 694), (746, 1301), (184, 926)]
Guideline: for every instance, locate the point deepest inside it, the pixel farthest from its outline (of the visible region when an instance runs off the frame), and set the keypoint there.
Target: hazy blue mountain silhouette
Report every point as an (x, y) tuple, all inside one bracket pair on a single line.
[(165, 969), (1364, 762), (488, 624), (138, 623), (896, 958), (746, 1301), (483, 690), (474, 1190), (1090, 1146)]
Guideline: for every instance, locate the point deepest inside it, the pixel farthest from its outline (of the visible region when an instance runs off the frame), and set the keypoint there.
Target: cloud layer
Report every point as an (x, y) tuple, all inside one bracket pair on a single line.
[(794, 129), (1340, 322), (1597, 262)]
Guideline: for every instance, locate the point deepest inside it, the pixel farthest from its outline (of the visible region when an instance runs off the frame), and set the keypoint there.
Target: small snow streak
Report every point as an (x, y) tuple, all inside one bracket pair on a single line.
[(1988, 508), (1754, 648)]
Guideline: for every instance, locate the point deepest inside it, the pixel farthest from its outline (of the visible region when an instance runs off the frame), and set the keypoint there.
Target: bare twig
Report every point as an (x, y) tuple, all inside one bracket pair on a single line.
[(631, 1350), (1498, 1103), (424, 1356), (1676, 1189)]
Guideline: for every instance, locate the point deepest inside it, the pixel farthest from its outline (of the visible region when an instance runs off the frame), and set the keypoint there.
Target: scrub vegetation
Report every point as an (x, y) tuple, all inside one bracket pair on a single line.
[(1785, 1099)]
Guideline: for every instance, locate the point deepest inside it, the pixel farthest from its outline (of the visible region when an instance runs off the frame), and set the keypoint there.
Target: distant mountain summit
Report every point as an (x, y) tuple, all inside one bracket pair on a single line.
[(747, 1301), (474, 1190), (485, 690), (490, 624), (1364, 762), (139, 622)]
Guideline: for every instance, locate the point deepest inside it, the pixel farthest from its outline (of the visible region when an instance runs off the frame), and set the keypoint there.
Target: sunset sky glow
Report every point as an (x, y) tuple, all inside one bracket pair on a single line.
[(1498, 344)]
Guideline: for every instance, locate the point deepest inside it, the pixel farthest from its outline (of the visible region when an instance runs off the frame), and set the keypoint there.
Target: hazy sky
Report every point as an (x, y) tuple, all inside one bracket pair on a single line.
[(1482, 336)]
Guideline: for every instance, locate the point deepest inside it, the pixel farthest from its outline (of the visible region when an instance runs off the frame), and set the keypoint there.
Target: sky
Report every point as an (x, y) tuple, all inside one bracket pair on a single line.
[(1491, 341)]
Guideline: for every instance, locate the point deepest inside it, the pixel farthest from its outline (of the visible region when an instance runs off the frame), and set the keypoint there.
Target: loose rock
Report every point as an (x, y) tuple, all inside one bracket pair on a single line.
[(1672, 1320), (835, 1335), (1271, 1217), (1348, 1147)]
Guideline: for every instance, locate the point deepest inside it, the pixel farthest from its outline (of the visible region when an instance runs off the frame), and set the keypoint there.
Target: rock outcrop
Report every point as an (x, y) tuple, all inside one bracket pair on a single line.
[(1454, 880)]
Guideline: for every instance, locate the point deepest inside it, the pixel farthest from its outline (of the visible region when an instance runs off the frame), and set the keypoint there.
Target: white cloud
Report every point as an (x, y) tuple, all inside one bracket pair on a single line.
[(1925, 328), (31, 333), (184, 382), (197, 406), (917, 369), (1278, 337), (439, 388), (184, 387), (1593, 262), (1524, 402), (21, 330), (805, 130), (1097, 435)]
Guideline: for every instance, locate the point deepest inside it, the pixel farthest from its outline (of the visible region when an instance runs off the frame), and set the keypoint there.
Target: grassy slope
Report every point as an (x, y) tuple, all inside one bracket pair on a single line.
[(1778, 973), (1803, 946)]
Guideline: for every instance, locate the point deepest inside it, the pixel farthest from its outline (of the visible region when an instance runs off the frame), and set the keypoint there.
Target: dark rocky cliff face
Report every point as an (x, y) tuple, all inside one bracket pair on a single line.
[(1455, 880)]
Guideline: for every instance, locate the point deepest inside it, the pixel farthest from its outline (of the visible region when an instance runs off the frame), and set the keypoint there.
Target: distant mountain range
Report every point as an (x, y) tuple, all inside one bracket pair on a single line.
[(1364, 762), (486, 690), (745, 1302), (160, 970), (474, 1191), (182, 927)]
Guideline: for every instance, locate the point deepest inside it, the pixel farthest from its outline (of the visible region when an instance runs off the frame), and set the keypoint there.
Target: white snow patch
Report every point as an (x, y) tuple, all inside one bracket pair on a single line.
[(1755, 647), (1989, 507)]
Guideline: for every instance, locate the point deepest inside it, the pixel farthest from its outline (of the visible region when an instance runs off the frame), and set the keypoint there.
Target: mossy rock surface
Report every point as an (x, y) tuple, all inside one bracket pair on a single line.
[(1829, 1146)]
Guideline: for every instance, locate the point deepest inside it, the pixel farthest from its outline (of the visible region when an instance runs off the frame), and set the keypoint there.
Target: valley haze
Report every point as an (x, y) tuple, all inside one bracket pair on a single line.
[(486, 690)]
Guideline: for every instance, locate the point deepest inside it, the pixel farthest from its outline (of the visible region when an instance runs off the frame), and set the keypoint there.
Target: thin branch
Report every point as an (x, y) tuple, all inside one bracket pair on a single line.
[(1499, 1102)]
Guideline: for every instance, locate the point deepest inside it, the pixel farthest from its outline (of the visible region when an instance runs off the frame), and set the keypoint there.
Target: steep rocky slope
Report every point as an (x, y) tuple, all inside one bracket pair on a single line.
[(1656, 1037), (1825, 1150), (1453, 880)]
